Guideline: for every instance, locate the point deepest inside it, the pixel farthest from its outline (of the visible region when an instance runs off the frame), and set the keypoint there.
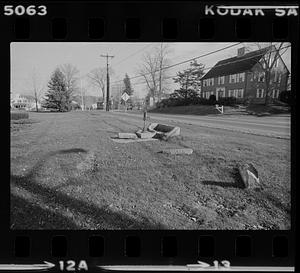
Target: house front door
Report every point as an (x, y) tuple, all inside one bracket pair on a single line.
[(220, 92)]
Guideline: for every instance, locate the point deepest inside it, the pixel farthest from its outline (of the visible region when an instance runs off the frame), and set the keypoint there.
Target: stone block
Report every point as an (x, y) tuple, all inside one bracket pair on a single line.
[(127, 135), (145, 134), (249, 176), (186, 151), (164, 131)]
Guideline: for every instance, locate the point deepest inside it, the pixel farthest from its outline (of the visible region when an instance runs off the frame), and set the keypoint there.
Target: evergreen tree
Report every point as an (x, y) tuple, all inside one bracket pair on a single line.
[(127, 89), (58, 97), (127, 85), (190, 80)]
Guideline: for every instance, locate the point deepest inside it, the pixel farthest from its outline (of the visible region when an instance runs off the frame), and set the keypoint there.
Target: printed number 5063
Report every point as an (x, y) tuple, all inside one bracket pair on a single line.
[(21, 10)]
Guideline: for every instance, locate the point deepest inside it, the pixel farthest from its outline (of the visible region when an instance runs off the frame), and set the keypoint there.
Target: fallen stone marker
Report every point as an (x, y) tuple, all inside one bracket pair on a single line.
[(186, 151), (164, 131), (249, 176), (145, 134), (128, 140), (127, 136)]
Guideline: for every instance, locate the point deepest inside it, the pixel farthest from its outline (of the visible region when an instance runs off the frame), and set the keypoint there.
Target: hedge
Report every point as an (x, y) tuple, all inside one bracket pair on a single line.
[(19, 115)]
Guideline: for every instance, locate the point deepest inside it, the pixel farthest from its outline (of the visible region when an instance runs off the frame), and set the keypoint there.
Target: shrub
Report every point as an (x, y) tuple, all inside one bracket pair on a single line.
[(229, 101), (203, 101), (19, 115), (285, 96), (212, 99)]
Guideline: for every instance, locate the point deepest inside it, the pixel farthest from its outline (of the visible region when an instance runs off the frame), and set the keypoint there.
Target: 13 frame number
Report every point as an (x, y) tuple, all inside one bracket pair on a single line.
[(21, 10), (71, 265)]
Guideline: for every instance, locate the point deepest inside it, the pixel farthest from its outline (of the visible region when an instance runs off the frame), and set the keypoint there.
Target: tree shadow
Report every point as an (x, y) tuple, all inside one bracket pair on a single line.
[(104, 217), (25, 214)]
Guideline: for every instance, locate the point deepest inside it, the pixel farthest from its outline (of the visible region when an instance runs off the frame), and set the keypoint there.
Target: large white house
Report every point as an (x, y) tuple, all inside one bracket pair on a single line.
[(18, 101)]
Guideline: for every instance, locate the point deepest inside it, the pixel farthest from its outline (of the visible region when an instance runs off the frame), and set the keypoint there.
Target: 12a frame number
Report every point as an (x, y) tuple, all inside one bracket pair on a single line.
[(21, 10), (71, 265)]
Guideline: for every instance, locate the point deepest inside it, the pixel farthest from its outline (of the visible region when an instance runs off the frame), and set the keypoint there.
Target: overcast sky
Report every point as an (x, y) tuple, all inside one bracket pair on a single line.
[(43, 58)]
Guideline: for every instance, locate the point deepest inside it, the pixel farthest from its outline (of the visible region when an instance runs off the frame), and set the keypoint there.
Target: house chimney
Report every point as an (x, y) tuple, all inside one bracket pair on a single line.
[(241, 51)]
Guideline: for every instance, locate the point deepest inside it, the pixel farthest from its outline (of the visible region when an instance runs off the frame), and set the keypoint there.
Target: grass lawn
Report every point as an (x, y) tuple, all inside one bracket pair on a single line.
[(67, 173), (188, 110), (203, 110)]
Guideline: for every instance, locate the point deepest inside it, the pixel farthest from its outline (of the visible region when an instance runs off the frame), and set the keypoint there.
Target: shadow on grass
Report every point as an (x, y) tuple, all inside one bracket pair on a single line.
[(221, 184), (33, 215), (238, 183), (26, 215), (269, 110)]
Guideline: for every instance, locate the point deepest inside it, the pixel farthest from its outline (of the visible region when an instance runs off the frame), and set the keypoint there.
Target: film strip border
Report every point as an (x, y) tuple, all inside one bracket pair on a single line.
[(149, 21), (266, 248), (146, 22)]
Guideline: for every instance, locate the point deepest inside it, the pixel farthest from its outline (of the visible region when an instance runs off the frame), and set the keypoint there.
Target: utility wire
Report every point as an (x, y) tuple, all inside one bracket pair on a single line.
[(142, 49), (186, 61), (206, 68)]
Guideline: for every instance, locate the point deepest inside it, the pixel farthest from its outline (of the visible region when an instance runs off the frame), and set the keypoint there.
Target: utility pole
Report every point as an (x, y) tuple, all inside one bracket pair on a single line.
[(81, 91), (160, 73), (107, 80)]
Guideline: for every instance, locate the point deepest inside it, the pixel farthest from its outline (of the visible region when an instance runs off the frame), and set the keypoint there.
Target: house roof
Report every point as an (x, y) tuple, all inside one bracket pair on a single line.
[(236, 64)]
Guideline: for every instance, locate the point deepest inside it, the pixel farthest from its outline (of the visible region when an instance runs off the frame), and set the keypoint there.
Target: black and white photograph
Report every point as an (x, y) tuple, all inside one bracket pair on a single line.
[(150, 136)]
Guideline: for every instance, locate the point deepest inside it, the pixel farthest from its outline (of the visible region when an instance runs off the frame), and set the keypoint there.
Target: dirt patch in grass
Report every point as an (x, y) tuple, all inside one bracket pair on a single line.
[(89, 164)]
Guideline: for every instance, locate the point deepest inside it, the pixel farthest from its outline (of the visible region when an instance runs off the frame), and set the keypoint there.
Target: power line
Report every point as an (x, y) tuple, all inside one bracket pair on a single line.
[(206, 68), (133, 54), (186, 61)]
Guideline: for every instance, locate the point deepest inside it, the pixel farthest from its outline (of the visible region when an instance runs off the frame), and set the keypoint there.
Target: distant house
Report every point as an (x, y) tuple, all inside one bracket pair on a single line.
[(24, 102), (242, 77)]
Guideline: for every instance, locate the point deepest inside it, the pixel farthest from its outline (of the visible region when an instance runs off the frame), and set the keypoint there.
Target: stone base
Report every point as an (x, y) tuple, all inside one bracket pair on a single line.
[(186, 151), (164, 131), (127, 136), (124, 141), (145, 134)]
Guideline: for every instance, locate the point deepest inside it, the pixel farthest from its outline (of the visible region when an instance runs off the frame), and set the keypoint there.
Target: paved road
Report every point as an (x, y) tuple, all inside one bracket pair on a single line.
[(277, 126)]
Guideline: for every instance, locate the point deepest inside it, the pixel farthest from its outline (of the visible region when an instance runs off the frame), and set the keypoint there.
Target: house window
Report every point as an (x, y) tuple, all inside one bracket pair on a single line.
[(240, 93), (220, 92), (204, 83), (261, 77), (232, 78), (210, 82), (275, 76), (251, 76), (279, 77), (276, 62), (241, 77), (275, 93), (207, 95), (230, 93), (260, 93), (221, 79)]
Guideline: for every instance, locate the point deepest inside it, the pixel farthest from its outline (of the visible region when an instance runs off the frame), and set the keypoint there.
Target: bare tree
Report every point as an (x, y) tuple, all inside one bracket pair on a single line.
[(97, 77), (152, 69), (163, 51), (71, 77), (267, 63), (35, 87)]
